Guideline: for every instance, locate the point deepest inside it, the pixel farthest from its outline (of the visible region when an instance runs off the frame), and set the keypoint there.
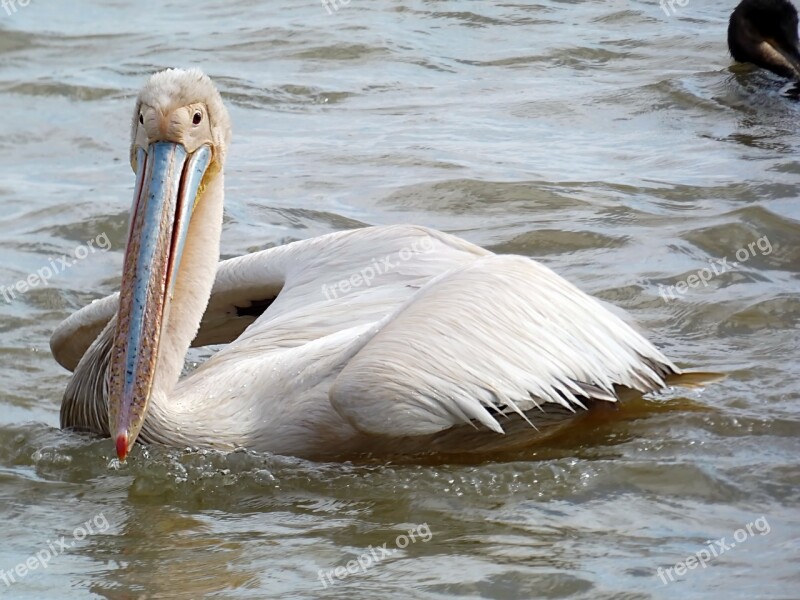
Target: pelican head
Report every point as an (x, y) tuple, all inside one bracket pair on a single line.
[(764, 32), (179, 134)]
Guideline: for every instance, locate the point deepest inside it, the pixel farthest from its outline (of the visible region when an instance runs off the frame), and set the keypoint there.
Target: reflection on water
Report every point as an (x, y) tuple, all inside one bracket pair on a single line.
[(614, 143)]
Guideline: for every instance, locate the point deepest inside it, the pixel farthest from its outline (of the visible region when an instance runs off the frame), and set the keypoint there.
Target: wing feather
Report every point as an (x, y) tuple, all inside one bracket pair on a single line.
[(295, 276), (503, 334)]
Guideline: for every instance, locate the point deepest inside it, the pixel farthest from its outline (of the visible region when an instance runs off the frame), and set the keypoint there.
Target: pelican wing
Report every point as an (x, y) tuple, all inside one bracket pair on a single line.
[(300, 278), (230, 312), (501, 335), (73, 336), (236, 302)]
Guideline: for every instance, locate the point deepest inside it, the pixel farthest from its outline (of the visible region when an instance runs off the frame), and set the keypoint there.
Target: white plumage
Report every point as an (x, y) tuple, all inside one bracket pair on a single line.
[(447, 347)]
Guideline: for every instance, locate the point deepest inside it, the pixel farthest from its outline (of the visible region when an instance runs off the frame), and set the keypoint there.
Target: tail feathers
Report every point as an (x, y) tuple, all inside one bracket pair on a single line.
[(693, 379)]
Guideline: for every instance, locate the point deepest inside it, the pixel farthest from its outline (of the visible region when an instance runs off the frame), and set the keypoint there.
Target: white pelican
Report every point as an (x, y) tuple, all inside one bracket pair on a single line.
[(384, 340)]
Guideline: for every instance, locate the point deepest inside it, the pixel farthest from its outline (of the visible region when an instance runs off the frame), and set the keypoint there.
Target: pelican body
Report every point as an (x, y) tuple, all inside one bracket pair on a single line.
[(382, 340), (764, 32)]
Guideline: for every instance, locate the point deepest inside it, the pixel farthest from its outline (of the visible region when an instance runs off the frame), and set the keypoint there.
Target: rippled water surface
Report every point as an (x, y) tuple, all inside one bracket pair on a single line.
[(616, 144)]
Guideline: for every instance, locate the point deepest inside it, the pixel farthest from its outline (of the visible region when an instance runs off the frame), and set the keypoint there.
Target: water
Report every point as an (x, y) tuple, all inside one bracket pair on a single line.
[(613, 142)]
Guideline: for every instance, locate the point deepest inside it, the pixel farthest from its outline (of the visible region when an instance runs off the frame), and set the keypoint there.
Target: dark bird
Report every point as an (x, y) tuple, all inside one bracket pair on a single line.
[(764, 32)]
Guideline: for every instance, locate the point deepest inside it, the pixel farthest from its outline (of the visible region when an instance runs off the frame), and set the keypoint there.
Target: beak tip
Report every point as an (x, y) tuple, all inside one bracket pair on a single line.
[(122, 446)]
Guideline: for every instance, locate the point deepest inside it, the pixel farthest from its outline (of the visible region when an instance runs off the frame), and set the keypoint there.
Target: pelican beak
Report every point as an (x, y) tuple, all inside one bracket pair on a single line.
[(168, 182)]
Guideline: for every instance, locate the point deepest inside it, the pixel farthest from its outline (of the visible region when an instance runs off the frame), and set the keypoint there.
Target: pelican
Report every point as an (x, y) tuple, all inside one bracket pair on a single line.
[(764, 32), (387, 340)]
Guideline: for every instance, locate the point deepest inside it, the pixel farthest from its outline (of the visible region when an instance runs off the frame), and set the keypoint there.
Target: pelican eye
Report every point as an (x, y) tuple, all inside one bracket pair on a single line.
[(198, 116)]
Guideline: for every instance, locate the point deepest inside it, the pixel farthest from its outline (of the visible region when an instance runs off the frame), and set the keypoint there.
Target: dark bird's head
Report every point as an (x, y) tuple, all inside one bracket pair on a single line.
[(764, 32)]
